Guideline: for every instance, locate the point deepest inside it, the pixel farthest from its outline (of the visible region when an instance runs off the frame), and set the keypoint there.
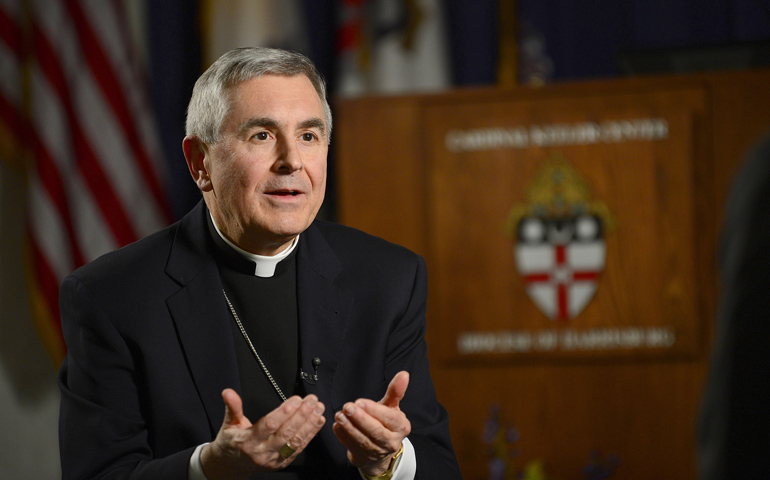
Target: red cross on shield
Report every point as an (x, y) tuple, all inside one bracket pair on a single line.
[(562, 267)]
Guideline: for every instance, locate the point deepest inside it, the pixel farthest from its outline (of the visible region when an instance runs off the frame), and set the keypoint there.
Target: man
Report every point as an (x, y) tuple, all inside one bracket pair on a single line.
[(250, 310), (734, 421)]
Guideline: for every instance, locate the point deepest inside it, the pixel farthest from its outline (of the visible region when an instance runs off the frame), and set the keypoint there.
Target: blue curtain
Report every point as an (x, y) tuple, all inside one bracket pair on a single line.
[(584, 39), (175, 63)]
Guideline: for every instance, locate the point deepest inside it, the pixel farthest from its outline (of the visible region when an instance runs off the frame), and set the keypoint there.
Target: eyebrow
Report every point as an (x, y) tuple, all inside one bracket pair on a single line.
[(314, 123), (271, 123)]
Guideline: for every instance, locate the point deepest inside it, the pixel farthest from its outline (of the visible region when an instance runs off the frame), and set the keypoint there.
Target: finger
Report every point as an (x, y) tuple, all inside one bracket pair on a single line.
[(353, 440), (302, 425), (396, 390), (305, 433), (367, 432), (233, 409), (362, 450), (294, 424), (392, 419), (270, 423), (342, 434), (345, 438)]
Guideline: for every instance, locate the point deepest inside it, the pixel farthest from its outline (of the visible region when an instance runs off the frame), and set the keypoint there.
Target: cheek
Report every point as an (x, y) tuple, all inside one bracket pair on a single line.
[(317, 172), (234, 177), (319, 178)]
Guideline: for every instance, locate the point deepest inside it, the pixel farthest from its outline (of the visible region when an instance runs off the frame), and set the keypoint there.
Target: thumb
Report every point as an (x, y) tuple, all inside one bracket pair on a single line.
[(233, 408), (396, 390)]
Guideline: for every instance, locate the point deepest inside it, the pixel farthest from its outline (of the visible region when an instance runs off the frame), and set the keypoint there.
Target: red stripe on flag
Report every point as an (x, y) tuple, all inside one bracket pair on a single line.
[(90, 168), (105, 76)]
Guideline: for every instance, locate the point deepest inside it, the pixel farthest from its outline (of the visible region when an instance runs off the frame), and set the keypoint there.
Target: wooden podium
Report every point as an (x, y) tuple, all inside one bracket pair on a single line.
[(570, 234)]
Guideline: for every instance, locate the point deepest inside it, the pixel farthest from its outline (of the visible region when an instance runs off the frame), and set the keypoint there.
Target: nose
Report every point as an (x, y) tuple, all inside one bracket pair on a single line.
[(289, 157)]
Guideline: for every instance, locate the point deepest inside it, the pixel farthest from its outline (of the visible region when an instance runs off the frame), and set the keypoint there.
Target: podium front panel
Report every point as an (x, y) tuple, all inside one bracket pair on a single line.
[(564, 227)]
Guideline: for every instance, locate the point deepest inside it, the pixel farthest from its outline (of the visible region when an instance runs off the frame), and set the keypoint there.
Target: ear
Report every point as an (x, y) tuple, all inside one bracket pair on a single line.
[(195, 152)]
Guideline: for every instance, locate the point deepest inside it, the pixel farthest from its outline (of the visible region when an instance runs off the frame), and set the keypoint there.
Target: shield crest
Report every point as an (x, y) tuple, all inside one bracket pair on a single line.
[(560, 248)]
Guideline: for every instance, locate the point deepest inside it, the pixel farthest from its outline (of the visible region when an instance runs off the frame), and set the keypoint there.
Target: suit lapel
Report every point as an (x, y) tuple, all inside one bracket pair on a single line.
[(200, 314), (323, 311)]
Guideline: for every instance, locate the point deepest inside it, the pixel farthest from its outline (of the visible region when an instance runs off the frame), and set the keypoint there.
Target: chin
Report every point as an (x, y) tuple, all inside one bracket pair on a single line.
[(289, 229)]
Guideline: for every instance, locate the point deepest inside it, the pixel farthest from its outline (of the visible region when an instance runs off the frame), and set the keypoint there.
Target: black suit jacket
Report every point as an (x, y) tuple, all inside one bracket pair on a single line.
[(734, 440), (150, 349)]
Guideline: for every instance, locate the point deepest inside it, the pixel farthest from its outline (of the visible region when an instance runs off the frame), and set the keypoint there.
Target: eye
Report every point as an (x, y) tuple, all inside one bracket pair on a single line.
[(309, 137), (261, 136)]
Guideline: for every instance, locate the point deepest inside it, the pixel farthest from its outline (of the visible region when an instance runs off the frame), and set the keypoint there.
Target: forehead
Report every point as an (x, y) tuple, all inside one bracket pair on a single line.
[(275, 95)]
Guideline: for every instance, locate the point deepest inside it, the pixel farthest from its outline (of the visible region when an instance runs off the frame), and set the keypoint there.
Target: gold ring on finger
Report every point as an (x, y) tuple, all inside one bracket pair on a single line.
[(286, 451)]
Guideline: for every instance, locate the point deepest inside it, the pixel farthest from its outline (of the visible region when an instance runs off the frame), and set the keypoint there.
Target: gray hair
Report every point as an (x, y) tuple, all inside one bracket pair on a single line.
[(210, 103)]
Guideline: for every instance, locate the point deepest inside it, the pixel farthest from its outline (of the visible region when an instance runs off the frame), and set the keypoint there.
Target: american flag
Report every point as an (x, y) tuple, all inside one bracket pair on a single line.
[(74, 98)]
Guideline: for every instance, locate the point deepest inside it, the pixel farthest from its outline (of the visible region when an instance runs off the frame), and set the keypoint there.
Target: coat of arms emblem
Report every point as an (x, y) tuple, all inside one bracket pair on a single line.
[(559, 244)]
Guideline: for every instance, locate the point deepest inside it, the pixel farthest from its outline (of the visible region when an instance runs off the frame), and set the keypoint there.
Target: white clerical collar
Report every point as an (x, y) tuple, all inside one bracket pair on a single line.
[(265, 266)]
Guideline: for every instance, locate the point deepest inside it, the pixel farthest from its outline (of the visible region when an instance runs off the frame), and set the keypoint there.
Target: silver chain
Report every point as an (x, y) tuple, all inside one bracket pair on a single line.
[(254, 350)]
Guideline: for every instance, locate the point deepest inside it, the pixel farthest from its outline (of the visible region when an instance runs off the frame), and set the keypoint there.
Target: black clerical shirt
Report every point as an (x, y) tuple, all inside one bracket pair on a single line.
[(267, 308)]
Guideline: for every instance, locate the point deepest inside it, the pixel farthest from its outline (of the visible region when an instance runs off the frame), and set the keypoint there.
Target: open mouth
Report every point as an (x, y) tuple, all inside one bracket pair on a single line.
[(285, 193)]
